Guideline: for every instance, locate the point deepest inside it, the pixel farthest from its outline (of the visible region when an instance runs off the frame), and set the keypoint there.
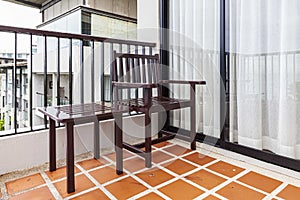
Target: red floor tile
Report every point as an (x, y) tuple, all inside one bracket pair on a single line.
[(92, 163), (95, 194), (179, 166), (290, 192), (211, 197), (105, 174), (134, 164), (159, 156), (81, 183), (199, 158), (36, 194), (151, 196), (235, 191), (162, 144), (125, 188), (24, 183), (60, 173), (154, 176), (226, 169), (177, 150), (205, 179), (126, 154), (181, 190), (260, 181)]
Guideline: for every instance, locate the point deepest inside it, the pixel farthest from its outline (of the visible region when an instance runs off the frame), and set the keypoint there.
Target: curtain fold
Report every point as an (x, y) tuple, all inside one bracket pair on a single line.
[(194, 55), (265, 75)]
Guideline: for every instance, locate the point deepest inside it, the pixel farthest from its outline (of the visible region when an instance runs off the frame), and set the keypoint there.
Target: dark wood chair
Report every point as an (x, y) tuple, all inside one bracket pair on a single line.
[(143, 72)]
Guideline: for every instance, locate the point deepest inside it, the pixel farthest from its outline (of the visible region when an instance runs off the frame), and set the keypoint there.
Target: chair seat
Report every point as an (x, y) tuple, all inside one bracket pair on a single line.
[(158, 104)]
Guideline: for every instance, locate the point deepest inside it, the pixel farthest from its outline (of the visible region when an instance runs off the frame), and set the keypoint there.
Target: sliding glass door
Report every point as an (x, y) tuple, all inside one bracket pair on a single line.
[(265, 75)]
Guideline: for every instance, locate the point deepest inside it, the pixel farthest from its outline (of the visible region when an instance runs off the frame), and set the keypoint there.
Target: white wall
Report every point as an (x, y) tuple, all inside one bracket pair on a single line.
[(29, 150)]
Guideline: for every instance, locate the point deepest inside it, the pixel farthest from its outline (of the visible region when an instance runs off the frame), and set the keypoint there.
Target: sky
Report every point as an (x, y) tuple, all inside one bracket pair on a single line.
[(19, 16)]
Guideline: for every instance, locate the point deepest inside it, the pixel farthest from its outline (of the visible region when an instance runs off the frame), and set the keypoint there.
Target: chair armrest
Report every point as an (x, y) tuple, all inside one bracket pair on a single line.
[(133, 85), (184, 82)]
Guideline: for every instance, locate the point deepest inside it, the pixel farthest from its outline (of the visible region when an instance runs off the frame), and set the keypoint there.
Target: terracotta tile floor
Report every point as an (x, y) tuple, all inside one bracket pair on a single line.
[(177, 173)]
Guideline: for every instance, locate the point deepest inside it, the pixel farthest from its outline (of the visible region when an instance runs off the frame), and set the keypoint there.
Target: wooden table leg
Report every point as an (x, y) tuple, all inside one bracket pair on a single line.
[(96, 140), (52, 146), (119, 143), (70, 157)]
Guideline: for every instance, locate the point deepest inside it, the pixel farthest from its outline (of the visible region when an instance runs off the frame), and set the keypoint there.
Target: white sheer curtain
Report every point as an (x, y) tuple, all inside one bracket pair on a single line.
[(194, 46), (265, 75)]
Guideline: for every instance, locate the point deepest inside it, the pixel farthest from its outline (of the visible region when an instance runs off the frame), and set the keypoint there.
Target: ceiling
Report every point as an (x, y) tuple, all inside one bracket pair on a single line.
[(31, 3)]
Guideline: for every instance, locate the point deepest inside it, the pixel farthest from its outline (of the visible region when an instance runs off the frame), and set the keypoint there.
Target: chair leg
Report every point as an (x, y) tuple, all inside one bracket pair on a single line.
[(148, 157), (160, 125), (193, 118), (193, 128)]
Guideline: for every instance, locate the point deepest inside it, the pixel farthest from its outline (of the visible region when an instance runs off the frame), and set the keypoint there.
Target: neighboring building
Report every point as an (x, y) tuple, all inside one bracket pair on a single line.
[(105, 18), (112, 19), (6, 90)]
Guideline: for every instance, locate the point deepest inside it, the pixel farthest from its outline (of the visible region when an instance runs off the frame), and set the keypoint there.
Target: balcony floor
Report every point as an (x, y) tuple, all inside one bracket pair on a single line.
[(177, 173)]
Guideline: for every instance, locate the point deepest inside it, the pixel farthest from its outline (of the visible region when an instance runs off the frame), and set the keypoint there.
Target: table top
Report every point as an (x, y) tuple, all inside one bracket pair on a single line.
[(80, 111)]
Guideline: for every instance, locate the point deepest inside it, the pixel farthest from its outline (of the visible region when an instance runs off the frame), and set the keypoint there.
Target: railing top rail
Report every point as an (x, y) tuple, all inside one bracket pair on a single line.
[(265, 54), (72, 36)]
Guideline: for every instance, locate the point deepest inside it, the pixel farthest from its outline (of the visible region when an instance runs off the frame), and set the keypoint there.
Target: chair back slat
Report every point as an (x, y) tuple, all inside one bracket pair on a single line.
[(127, 68), (121, 70), (143, 73), (136, 68), (132, 70), (157, 71), (115, 65), (149, 70)]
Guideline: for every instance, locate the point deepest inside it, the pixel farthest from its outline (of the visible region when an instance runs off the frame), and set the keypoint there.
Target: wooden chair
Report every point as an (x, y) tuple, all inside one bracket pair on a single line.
[(143, 72)]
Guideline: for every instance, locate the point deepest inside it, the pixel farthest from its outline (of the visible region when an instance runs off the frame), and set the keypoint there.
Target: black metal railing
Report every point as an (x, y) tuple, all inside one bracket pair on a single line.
[(76, 57)]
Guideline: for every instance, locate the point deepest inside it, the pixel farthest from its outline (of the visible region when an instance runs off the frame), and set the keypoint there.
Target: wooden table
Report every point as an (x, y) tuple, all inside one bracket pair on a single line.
[(71, 115)]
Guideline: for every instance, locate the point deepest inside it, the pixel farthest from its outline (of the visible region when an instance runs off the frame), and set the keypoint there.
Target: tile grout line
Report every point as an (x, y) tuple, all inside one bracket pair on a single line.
[(51, 186), (279, 189), (97, 184)]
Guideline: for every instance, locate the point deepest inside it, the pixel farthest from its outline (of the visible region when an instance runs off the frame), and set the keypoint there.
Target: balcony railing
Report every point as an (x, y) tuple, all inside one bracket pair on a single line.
[(85, 60)]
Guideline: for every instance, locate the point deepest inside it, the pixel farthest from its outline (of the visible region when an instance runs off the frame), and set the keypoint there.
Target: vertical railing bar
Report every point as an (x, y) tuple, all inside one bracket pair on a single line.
[(272, 67), (58, 72), (266, 78), (120, 48), (136, 71), (81, 72), (70, 72), (20, 84), (30, 86), (45, 77), (253, 74), (14, 84), (287, 73), (111, 70), (120, 78), (93, 71), (294, 68), (102, 71), (128, 48), (128, 90), (6, 86)]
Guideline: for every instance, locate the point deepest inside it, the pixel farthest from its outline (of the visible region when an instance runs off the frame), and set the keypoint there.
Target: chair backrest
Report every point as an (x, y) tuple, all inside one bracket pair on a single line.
[(136, 68)]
